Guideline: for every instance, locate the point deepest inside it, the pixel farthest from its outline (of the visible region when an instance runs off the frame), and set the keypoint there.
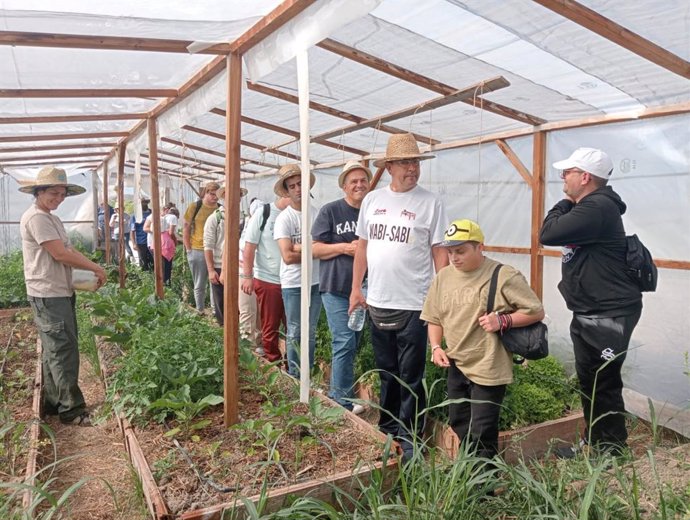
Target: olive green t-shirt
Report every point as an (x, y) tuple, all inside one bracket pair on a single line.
[(457, 299), (199, 221)]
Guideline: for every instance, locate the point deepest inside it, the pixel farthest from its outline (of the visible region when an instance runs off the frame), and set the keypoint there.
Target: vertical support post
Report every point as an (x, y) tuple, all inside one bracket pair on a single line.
[(120, 212), (538, 196), (232, 238), (106, 214), (152, 129), (94, 201), (306, 266)]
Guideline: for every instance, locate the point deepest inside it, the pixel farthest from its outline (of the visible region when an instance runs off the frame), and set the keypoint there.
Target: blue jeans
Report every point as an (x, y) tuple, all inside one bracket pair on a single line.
[(344, 348), (291, 301), (401, 354)]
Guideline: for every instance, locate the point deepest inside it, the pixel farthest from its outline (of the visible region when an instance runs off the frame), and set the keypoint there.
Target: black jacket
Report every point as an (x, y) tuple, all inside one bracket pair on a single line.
[(595, 280)]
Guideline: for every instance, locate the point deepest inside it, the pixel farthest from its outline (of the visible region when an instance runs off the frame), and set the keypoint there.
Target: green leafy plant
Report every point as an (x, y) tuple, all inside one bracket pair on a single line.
[(185, 410), (12, 288)]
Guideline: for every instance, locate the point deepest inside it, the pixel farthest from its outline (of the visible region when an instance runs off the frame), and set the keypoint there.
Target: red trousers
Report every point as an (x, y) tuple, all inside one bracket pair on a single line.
[(270, 302)]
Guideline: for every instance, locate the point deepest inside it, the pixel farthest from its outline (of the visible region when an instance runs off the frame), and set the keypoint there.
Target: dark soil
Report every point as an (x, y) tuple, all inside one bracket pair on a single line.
[(239, 460)]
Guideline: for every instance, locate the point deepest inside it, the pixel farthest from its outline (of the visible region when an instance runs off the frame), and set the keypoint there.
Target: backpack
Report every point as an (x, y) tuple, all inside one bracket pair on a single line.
[(640, 264), (199, 202)]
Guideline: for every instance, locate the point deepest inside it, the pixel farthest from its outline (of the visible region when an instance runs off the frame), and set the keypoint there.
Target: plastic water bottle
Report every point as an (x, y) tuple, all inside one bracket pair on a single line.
[(356, 321)]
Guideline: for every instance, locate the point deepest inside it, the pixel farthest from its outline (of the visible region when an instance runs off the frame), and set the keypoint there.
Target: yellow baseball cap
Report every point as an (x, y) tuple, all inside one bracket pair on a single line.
[(461, 231)]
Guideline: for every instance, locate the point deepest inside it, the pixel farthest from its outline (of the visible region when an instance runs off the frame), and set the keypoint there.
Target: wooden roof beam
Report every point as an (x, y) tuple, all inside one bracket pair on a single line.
[(93, 155), (291, 133), (57, 163), (607, 28), (18, 120), (217, 154), (468, 92), (88, 93), (515, 161), (409, 76), (318, 107), (216, 135), (56, 147), (58, 137), (270, 23), (119, 43)]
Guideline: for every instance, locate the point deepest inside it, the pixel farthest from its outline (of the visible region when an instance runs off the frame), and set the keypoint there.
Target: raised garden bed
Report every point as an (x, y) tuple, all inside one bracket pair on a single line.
[(191, 465), (20, 385)]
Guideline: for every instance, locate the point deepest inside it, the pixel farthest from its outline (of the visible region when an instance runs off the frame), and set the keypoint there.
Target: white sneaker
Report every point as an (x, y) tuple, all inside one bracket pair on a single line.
[(260, 351), (358, 409)]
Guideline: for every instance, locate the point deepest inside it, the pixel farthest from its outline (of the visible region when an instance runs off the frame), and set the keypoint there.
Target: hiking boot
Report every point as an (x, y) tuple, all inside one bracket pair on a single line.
[(83, 419)]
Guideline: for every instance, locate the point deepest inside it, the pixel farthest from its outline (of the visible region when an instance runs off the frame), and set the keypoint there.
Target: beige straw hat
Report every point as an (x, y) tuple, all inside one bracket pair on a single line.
[(221, 192), (286, 171), (352, 165), (51, 176), (400, 147)]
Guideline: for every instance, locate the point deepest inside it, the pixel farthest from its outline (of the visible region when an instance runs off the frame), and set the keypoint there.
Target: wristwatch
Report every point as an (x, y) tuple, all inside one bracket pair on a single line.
[(433, 349)]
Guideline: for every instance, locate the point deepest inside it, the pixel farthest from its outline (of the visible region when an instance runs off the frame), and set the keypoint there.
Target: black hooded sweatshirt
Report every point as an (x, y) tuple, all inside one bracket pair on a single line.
[(595, 280)]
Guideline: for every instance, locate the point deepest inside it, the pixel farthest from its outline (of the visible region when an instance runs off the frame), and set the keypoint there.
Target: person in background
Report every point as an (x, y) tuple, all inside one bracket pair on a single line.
[(105, 211), (399, 229), (479, 366), (250, 316), (606, 302), (288, 233), (169, 239), (138, 237), (335, 243), (193, 238), (260, 274), (48, 261), (115, 233), (214, 242)]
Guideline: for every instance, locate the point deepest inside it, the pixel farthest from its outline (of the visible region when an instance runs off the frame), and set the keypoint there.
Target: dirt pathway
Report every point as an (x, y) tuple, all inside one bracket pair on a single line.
[(98, 455)]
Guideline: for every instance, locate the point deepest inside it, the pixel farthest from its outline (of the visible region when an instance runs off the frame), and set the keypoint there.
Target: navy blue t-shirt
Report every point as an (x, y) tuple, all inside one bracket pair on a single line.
[(336, 223)]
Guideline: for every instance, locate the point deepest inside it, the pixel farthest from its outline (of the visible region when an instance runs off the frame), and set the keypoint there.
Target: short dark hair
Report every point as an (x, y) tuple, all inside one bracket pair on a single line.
[(598, 181)]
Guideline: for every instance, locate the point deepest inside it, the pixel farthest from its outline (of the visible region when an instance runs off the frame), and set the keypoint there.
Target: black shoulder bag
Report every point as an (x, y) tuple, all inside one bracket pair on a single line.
[(530, 342)]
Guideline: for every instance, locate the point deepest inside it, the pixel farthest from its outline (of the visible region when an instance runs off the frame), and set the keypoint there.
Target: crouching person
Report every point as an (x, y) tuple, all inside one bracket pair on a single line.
[(479, 367)]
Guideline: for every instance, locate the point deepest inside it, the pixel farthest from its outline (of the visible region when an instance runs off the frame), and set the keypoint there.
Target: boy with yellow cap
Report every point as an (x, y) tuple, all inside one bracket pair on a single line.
[(479, 367)]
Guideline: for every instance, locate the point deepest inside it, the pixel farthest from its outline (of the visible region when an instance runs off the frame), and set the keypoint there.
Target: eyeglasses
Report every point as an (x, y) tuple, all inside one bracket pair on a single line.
[(565, 173), (407, 162)]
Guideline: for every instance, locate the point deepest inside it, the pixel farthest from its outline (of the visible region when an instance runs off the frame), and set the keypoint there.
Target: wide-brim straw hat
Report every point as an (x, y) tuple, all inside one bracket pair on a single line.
[(286, 171), (221, 192), (349, 166), (400, 147), (48, 177)]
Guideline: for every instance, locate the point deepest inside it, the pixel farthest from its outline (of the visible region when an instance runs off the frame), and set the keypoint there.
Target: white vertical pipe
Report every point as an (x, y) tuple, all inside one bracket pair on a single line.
[(303, 91)]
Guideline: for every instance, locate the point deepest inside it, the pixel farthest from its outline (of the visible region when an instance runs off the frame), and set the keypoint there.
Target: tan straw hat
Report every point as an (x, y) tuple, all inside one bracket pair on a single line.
[(221, 192), (50, 176), (401, 146), (286, 171), (352, 165)]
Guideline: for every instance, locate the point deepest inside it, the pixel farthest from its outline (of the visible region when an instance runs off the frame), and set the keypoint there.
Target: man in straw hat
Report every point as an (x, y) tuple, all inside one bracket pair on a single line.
[(48, 261), (335, 243), (606, 302), (399, 228), (260, 273), (193, 239), (479, 367), (288, 233)]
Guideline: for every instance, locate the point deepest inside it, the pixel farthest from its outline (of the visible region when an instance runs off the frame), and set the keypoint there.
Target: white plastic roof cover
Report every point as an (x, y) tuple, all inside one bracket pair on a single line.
[(557, 69)]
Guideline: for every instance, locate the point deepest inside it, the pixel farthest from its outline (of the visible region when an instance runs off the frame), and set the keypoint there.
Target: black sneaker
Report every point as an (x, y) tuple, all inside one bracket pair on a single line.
[(570, 452), (83, 419)]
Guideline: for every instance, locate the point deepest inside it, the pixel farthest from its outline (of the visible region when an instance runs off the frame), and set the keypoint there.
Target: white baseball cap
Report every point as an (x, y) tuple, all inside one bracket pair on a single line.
[(591, 160)]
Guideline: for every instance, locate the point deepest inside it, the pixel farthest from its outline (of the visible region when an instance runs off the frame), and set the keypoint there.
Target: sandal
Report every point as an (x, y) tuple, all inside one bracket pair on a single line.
[(83, 419)]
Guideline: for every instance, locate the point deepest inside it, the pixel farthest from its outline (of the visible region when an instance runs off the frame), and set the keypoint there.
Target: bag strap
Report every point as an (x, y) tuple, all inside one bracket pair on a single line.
[(267, 212), (192, 224), (492, 289)]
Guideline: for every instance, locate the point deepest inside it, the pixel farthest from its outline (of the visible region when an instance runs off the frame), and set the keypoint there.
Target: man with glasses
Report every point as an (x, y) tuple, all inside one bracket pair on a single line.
[(400, 228), (606, 302)]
